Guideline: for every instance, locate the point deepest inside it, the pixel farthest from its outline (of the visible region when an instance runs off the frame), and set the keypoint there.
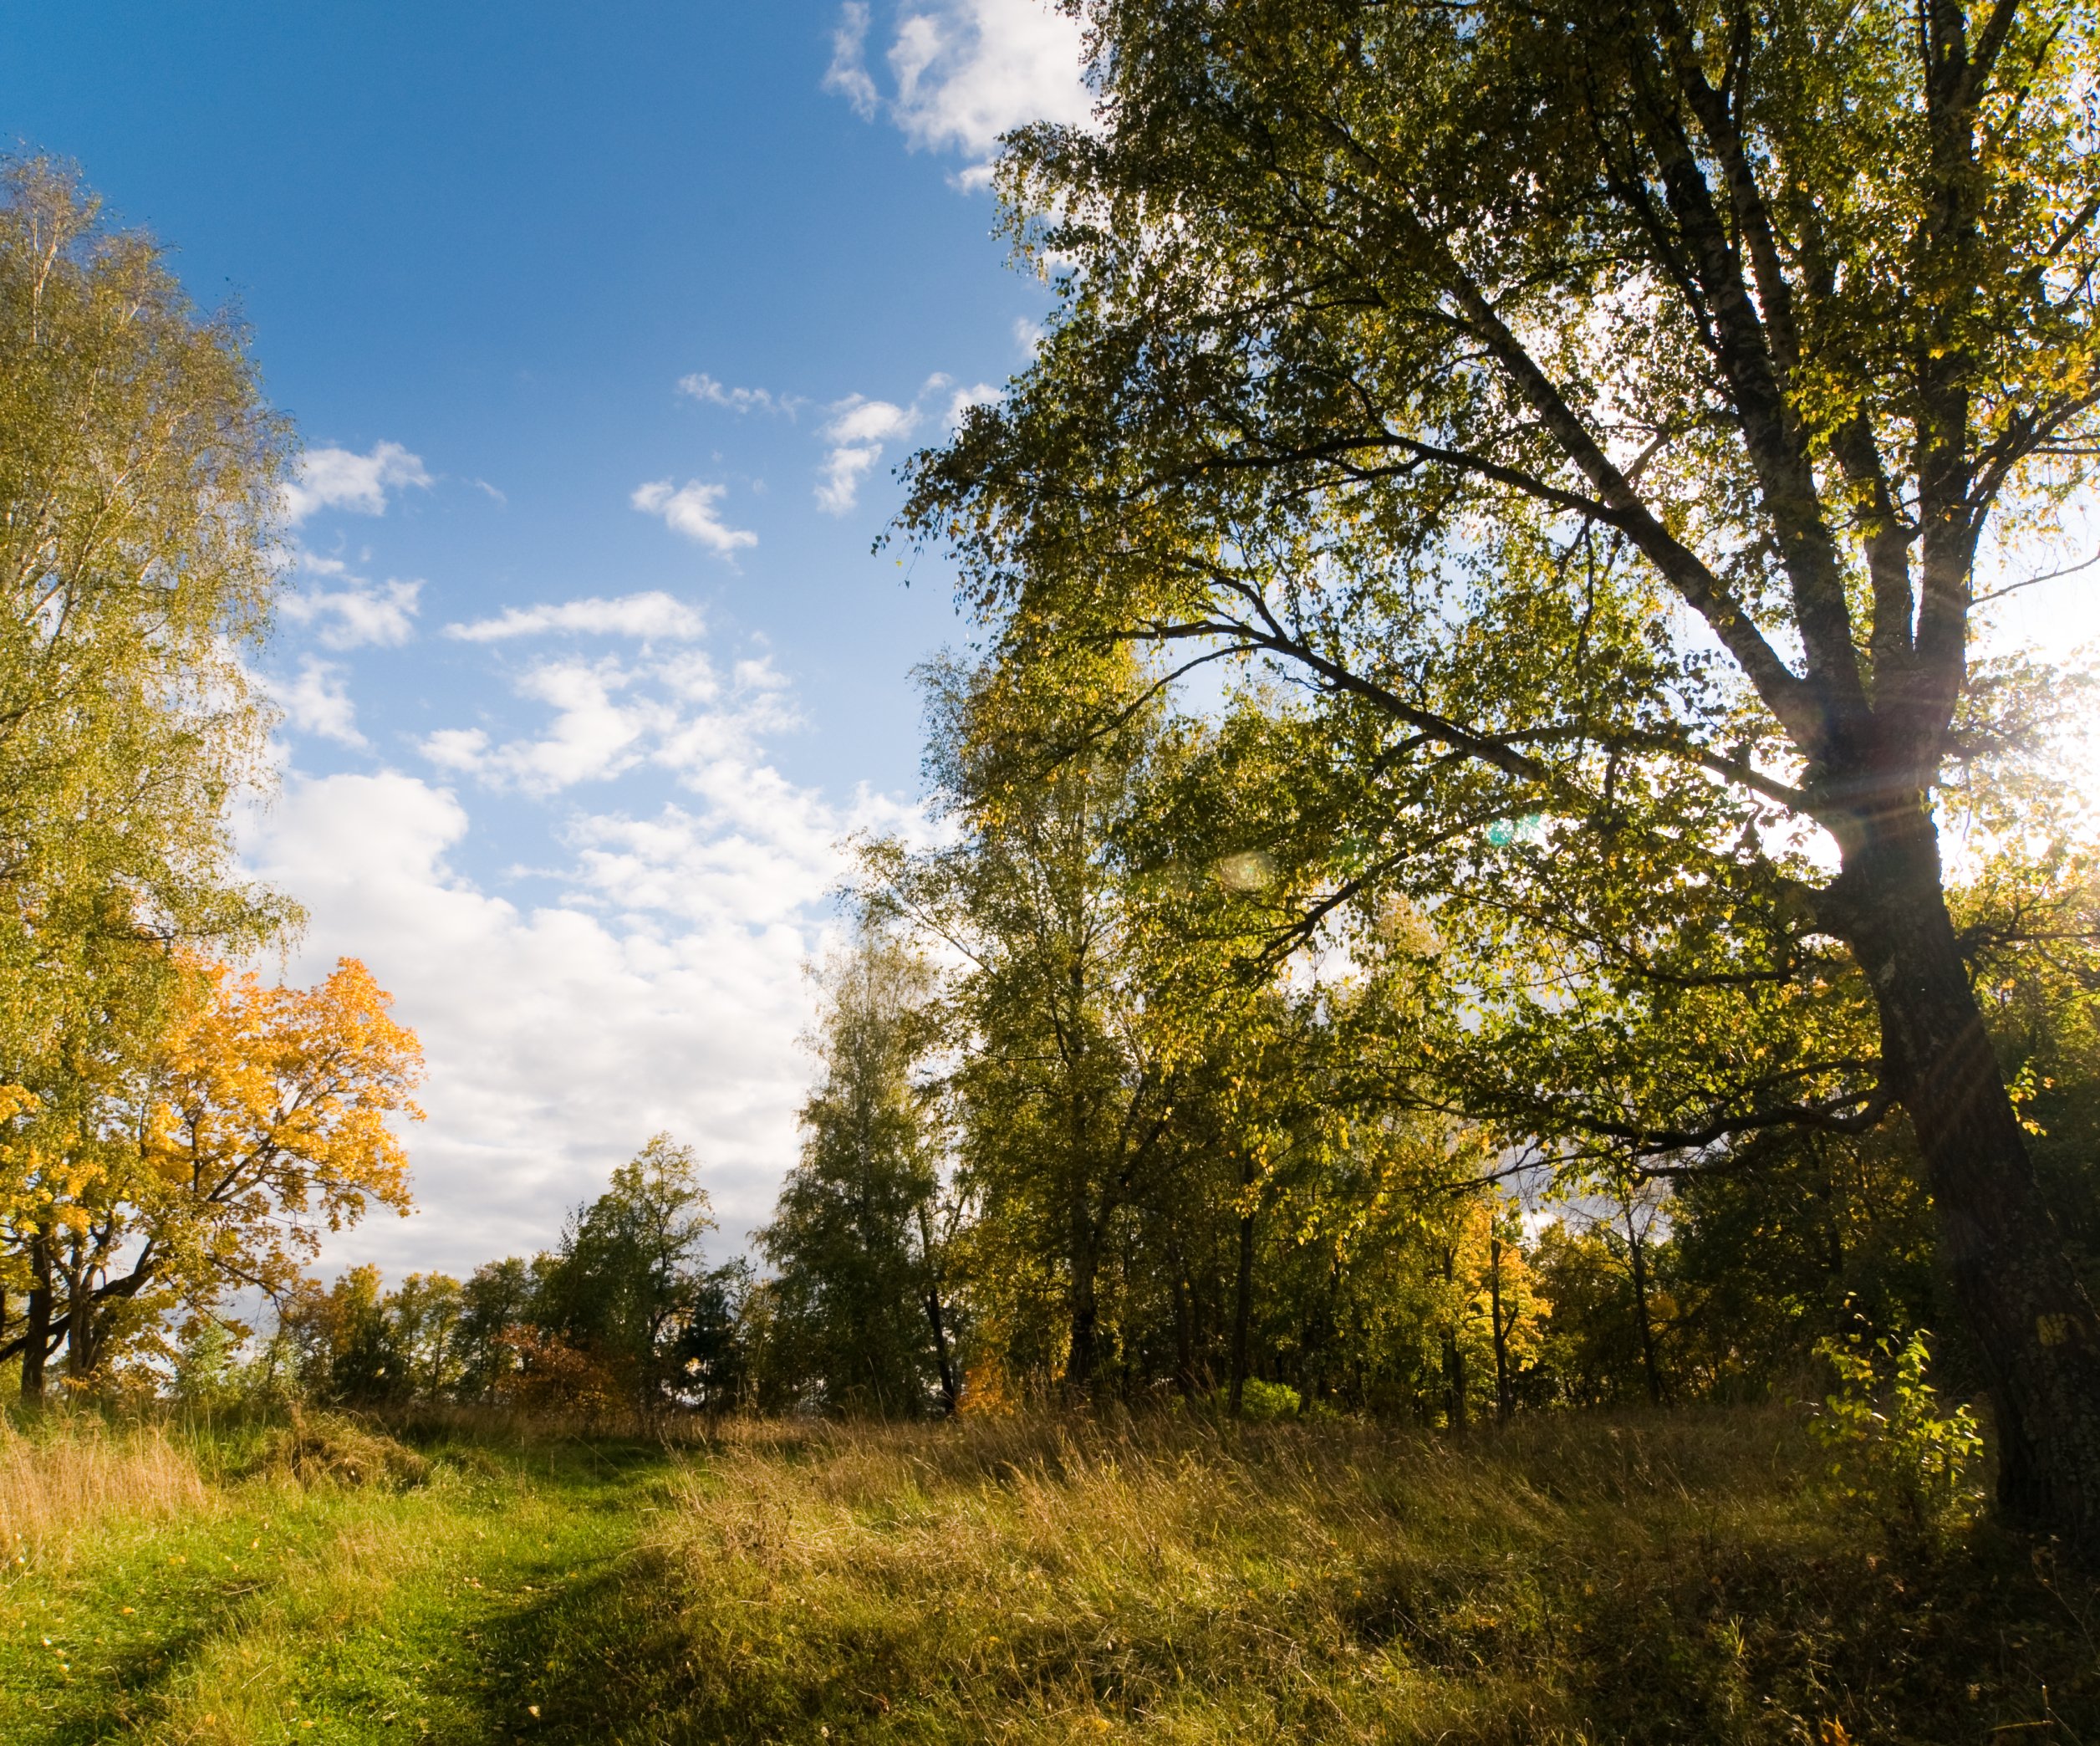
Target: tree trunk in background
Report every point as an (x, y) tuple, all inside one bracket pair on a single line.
[(1637, 1253), (951, 1390), (1833, 1229), (1503, 1404), (81, 1342), (2031, 1318), (38, 1331), (1184, 1327), (1454, 1383), (1242, 1290), (944, 1360), (1083, 1358), (1454, 1359)]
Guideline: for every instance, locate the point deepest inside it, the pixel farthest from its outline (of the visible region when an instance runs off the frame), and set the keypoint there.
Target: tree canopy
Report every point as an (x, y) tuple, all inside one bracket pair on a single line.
[(139, 494), (857, 1317)]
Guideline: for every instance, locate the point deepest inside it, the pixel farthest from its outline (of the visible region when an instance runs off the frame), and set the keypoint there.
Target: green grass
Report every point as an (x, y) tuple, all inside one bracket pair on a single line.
[(1676, 1578), (281, 1611)]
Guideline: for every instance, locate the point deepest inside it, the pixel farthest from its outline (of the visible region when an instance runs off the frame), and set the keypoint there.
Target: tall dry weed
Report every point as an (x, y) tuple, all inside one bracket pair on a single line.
[(1045, 1579), (1653, 1578), (69, 1476)]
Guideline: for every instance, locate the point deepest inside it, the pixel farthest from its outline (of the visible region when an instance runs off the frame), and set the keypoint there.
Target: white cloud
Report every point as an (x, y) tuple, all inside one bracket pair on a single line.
[(857, 419), (360, 615), (339, 478), (983, 394), (319, 701), (656, 984), (1027, 335), (455, 748), (839, 489), (598, 731), (690, 510), (974, 69), (703, 387), (653, 615), (856, 430), (558, 1038), (967, 71), (611, 716), (847, 76)]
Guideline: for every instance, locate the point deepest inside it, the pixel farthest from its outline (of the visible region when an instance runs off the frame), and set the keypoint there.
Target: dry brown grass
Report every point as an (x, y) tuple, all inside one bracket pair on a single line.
[(1037, 1580), (68, 1477), (1667, 1578)]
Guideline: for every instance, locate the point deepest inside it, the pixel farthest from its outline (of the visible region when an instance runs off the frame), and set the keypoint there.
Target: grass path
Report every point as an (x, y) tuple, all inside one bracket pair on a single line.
[(449, 1612)]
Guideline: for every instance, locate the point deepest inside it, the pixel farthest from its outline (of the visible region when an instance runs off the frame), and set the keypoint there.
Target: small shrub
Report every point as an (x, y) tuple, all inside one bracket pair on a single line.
[(1892, 1449), (203, 1376), (472, 1461), (1263, 1403), (548, 1376)]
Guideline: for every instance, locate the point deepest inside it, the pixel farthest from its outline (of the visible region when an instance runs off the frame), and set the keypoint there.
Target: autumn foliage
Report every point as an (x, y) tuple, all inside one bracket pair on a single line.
[(210, 1158), (269, 1115)]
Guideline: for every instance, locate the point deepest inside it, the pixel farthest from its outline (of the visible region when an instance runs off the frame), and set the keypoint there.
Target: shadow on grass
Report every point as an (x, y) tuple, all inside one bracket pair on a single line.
[(1485, 1596), (127, 1693), (456, 1652), (578, 1651), (614, 1659)]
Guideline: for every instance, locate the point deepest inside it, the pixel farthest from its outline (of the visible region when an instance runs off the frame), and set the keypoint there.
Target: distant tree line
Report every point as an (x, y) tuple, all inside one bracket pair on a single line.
[(1077, 1140), (1085, 1136), (621, 1317)]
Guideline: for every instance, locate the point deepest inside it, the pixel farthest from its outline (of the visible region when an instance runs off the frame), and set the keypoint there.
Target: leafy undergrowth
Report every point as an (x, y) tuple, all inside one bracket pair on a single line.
[(1676, 1578)]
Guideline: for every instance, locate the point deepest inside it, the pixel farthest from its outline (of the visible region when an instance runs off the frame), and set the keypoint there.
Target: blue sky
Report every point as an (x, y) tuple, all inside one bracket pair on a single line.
[(605, 326)]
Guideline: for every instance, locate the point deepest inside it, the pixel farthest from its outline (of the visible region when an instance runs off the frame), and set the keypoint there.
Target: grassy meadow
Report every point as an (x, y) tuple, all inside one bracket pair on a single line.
[(1680, 1577)]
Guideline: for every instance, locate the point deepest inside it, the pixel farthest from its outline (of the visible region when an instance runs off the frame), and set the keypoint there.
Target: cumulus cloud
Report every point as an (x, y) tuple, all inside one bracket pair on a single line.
[(653, 980), (356, 616), (653, 615), (601, 729), (966, 72), (857, 428), (318, 701), (557, 1039), (858, 419), (339, 478), (690, 510), (963, 399), (839, 486), (610, 717)]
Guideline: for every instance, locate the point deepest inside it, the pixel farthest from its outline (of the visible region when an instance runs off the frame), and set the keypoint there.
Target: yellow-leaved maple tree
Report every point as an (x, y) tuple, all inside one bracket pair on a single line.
[(259, 1120)]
